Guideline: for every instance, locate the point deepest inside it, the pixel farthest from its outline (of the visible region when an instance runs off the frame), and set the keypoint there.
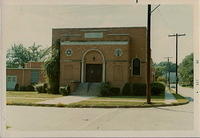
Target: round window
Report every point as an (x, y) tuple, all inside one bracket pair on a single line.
[(118, 52), (68, 52)]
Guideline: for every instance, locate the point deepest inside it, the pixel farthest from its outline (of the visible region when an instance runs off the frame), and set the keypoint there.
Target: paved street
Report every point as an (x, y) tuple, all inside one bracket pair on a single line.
[(51, 118)]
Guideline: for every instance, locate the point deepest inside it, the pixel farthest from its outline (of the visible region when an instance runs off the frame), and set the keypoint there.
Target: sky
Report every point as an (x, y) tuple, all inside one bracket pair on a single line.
[(27, 24)]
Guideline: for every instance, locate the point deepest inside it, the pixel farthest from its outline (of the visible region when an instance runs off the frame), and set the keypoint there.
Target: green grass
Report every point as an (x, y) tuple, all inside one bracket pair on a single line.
[(21, 97), (180, 98), (21, 100), (131, 97), (111, 104), (31, 94)]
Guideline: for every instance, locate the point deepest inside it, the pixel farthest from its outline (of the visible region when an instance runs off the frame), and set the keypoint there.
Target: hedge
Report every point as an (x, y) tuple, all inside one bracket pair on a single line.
[(139, 89)]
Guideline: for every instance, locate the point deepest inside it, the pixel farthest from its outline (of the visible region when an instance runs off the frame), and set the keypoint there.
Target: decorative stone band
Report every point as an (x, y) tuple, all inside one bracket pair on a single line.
[(76, 60), (94, 43), (118, 34)]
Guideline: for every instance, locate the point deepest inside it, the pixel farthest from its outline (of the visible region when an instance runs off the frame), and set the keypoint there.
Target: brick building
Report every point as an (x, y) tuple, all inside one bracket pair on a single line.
[(30, 74), (117, 55)]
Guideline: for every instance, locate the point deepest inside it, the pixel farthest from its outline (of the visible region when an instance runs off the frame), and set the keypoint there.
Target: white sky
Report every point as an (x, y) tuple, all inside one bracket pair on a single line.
[(27, 24)]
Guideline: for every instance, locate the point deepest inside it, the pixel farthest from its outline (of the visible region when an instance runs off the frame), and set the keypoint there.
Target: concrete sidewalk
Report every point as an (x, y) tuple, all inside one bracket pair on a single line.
[(66, 99), (169, 98)]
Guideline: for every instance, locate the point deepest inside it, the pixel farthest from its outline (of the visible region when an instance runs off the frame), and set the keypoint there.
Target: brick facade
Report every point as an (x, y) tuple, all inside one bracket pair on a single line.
[(113, 48)]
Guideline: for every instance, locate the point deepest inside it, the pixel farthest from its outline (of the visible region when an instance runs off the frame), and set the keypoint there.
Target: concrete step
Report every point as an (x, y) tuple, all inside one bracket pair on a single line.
[(87, 89)]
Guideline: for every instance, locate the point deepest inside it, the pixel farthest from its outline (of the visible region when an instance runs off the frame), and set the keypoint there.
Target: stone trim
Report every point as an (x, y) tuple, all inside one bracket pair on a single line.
[(71, 60), (94, 30), (94, 43), (77, 60), (118, 34)]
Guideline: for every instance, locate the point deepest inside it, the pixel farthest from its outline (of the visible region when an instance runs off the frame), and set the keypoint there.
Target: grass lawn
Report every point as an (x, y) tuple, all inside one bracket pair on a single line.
[(119, 101), (89, 103), (31, 99), (179, 98), (21, 97), (117, 98)]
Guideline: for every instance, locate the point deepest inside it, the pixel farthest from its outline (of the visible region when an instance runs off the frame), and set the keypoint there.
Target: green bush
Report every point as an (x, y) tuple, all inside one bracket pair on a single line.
[(30, 88), (114, 91), (126, 91), (27, 88), (41, 88), (138, 89), (17, 88), (162, 79), (64, 90), (157, 88), (105, 89), (134, 89)]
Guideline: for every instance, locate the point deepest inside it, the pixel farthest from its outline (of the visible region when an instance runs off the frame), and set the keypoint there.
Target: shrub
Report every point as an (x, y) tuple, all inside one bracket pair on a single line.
[(27, 88), (22, 88), (105, 89), (64, 90), (30, 88), (114, 91), (161, 79), (134, 89), (17, 88), (157, 88), (41, 88), (126, 89), (138, 89)]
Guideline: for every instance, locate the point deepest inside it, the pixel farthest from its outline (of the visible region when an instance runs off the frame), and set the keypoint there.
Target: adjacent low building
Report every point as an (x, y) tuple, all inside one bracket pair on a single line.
[(32, 73)]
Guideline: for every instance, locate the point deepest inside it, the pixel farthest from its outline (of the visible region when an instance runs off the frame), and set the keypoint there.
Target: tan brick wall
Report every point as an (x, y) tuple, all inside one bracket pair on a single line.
[(24, 75), (34, 64)]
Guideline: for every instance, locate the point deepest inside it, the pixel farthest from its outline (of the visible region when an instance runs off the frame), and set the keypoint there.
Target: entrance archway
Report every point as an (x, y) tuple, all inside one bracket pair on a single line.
[(93, 66)]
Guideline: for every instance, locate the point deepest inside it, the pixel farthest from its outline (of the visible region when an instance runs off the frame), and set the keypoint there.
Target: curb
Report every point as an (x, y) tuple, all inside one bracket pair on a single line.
[(87, 106)]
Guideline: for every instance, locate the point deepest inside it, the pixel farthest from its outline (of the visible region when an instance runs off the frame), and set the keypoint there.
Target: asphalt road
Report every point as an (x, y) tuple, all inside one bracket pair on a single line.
[(51, 118)]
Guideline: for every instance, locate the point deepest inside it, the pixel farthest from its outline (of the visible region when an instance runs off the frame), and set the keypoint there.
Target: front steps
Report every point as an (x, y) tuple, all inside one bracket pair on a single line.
[(87, 89)]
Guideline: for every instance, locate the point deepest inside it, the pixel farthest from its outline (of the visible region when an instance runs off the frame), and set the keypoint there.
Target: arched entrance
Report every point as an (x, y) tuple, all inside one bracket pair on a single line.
[(93, 66)]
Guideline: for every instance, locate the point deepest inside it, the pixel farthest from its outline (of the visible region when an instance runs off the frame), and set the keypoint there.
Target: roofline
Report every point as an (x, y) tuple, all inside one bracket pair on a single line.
[(99, 27), (24, 68)]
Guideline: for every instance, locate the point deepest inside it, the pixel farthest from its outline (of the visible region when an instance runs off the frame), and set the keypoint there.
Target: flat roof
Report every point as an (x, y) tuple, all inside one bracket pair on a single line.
[(119, 27)]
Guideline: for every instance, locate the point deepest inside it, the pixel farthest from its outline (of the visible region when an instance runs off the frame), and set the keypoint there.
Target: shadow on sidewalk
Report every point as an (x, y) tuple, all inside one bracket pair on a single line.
[(169, 109)]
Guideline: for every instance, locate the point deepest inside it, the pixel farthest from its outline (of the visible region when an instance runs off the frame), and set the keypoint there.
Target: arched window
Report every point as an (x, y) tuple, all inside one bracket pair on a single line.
[(136, 66)]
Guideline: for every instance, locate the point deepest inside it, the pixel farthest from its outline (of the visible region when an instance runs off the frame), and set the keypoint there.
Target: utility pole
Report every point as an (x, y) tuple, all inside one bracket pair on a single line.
[(168, 71), (148, 88), (176, 35)]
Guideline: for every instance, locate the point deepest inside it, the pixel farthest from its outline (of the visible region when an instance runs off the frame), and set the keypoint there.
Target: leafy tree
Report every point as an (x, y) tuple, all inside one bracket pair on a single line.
[(52, 68), (18, 55), (163, 67), (186, 71)]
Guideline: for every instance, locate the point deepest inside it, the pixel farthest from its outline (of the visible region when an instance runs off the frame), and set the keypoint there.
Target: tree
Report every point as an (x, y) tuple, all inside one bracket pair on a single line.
[(162, 68), (52, 68), (18, 55), (186, 71)]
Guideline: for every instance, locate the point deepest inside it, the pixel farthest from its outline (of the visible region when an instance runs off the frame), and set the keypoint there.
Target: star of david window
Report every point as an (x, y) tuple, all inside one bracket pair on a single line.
[(68, 52), (118, 52)]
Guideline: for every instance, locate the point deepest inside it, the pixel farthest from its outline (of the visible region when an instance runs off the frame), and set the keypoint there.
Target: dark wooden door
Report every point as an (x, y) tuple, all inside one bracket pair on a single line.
[(93, 72)]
